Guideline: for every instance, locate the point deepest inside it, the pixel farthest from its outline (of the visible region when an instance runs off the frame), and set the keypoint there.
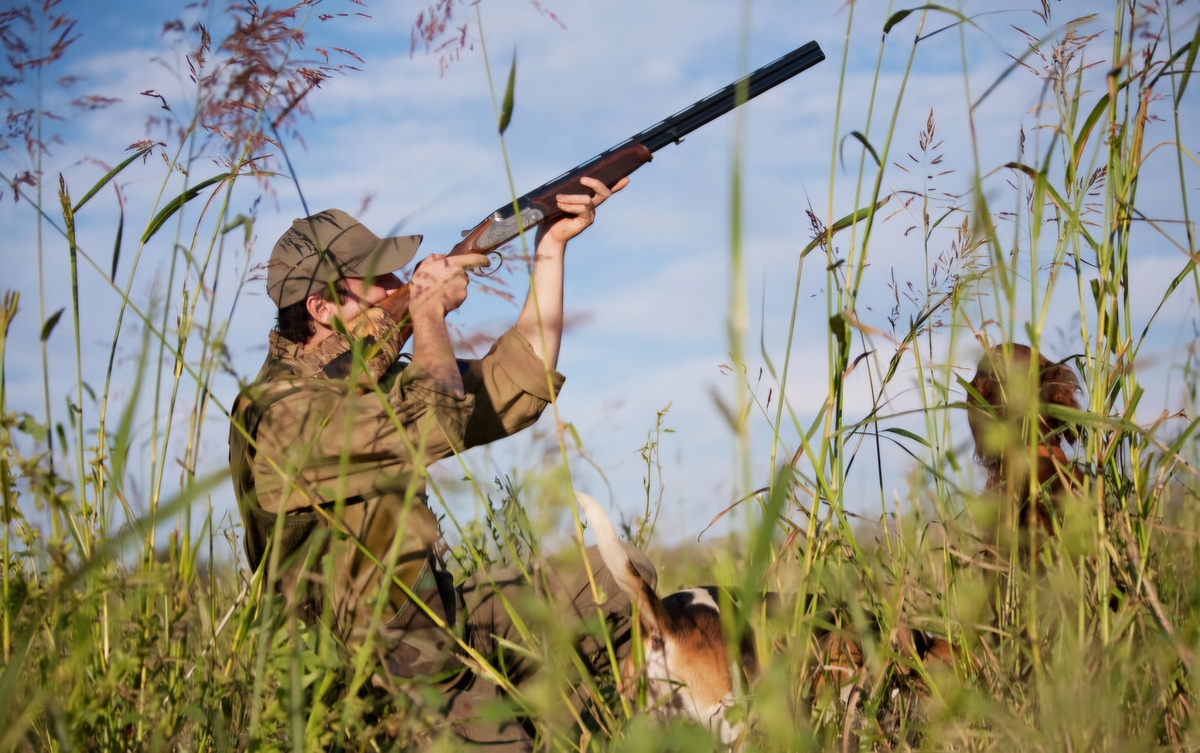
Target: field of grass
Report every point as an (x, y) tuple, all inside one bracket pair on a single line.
[(122, 629)]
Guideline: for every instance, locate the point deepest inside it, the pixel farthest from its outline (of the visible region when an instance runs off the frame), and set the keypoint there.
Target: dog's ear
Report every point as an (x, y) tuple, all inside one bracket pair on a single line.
[(651, 611), (1002, 371), (1060, 386)]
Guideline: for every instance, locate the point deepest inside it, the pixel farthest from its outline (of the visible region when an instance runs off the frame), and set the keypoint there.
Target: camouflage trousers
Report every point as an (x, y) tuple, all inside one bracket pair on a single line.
[(416, 647)]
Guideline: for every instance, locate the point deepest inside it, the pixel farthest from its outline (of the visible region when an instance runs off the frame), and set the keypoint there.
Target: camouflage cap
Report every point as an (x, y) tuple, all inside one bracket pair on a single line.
[(329, 245)]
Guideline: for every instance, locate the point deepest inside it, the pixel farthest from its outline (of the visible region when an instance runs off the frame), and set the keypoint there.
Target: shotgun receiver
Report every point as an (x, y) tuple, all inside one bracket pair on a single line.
[(540, 205)]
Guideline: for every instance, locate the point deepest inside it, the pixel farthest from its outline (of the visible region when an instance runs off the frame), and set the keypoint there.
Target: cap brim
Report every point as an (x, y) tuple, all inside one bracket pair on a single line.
[(388, 256)]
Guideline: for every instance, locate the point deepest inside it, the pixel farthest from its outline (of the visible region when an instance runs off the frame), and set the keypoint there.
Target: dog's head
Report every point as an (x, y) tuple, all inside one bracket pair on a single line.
[(1006, 391), (1006, 388), (685, 660)]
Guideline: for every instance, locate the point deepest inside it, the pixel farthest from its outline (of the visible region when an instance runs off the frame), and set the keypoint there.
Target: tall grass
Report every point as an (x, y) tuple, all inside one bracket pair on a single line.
[(128, 622)]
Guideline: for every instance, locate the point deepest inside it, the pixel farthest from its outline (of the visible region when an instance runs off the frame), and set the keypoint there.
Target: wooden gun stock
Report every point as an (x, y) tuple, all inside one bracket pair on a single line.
[(541, 204)]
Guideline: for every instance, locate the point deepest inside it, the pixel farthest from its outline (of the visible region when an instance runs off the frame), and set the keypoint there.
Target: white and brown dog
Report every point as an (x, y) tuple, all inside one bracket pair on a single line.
[(686, 666)]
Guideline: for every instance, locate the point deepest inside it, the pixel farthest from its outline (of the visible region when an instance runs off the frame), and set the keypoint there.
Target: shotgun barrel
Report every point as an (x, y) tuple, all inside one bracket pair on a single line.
[(540, 204)]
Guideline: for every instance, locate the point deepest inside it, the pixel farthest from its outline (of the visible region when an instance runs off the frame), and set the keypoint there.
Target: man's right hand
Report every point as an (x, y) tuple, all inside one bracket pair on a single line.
[(439, 282), (438, 286)]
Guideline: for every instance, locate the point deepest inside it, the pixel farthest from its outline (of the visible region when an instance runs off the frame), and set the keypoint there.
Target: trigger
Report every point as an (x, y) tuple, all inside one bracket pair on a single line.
[(495, 262)]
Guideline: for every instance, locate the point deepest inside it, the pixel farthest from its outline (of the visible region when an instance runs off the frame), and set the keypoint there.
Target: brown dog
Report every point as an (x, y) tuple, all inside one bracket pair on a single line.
[(687, 666), (1005, 391)]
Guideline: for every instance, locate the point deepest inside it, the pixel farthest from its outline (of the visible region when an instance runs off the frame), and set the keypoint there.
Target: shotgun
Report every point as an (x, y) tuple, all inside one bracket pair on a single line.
[(539, 205)]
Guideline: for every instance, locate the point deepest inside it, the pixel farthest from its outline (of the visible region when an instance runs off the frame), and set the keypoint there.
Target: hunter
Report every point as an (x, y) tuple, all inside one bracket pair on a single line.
[(330, 445)]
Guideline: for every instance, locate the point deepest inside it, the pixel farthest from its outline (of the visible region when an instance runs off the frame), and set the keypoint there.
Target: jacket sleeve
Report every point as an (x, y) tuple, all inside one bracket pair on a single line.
[(511, 386)]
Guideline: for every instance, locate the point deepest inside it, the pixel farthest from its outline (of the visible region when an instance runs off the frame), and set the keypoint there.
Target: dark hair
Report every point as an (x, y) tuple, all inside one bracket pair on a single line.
[(296, 324)]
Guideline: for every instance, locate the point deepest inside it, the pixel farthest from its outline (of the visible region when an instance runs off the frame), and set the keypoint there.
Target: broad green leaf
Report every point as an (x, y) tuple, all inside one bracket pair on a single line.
[(1192, 47), (899, 16), (907, 435), (117, 243), (110, 175), (842, 224), (242, 221), (506, 109), (51, 322), (896, 18), (867, 144), (174, 205)]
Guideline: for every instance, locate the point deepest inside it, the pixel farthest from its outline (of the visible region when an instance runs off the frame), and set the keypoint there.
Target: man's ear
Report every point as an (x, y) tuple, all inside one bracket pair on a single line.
[(321, 310)]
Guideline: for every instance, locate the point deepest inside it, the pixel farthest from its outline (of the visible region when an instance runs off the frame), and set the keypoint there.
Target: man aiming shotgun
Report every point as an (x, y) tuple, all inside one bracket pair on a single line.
[(329, 445), (614, 165)]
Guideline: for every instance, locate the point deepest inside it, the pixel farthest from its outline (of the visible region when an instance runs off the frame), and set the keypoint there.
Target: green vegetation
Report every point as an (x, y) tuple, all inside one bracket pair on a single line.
[(131, 625)]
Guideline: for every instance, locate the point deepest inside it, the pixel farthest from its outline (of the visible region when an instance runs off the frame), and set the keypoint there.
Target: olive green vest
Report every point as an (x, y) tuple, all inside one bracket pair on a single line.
[(248, 410)]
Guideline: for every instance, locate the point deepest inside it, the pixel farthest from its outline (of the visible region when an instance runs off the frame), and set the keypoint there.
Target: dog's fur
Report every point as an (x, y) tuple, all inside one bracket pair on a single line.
[(687, 667), (686, 664), (1002, 394)]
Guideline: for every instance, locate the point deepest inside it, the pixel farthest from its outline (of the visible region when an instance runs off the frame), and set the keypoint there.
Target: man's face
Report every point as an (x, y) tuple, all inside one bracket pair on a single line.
[(357, 295), (354, 296)]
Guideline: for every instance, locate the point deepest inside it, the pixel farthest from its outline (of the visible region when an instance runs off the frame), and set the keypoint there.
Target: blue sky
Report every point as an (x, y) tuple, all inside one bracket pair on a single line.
[(648, 285)]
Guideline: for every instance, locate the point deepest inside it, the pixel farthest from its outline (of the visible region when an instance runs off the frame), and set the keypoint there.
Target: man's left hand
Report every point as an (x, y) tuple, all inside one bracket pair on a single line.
[(579, 210)]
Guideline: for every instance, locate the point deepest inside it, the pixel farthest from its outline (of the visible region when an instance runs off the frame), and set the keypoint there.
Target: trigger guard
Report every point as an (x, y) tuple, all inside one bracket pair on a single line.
[(495, 262)]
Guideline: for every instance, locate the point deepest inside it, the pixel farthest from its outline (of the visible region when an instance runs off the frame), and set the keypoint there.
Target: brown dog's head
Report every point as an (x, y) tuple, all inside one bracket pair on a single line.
[(1005, 391), (1008, 387), (686, 663)]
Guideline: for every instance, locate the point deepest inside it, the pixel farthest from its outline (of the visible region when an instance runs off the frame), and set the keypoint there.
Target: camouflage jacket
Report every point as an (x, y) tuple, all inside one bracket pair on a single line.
[(328, 452)]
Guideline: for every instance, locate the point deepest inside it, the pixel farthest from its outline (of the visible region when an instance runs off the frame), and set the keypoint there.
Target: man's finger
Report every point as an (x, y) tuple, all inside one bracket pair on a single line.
[(469, 261), (597, 186), (619, 185), (602, 191), (431, 258)]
